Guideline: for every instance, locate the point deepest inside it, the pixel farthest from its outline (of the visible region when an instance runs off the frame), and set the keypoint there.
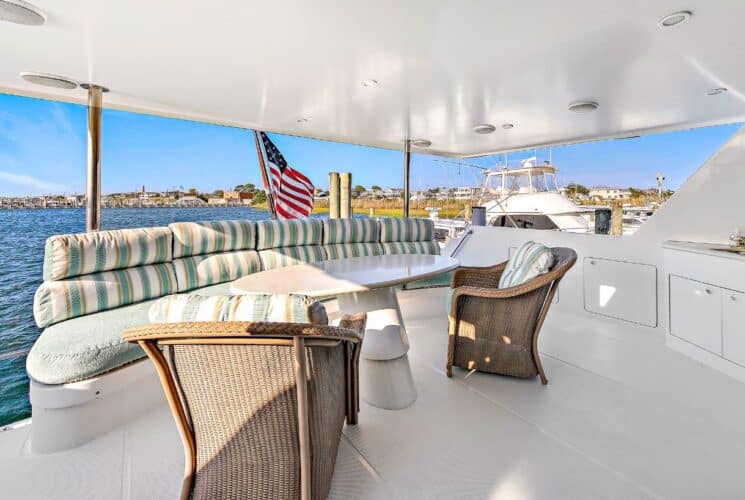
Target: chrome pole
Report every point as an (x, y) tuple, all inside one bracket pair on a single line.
[(93, 171), (407, 176)]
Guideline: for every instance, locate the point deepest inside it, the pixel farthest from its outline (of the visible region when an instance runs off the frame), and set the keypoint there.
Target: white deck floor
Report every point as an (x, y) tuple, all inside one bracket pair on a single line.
[(622, 417)]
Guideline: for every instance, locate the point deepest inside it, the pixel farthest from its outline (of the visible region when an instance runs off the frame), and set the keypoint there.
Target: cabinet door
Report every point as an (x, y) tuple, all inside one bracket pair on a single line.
[(696, 313), (623, 290), (733, 326)]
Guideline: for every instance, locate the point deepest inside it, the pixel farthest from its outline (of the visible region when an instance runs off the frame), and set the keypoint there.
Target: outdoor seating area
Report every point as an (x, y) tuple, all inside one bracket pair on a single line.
[(98, 284)]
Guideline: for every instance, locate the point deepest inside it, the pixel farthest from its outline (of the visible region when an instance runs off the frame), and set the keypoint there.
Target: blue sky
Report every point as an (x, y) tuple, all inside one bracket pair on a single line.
[(42, 150)]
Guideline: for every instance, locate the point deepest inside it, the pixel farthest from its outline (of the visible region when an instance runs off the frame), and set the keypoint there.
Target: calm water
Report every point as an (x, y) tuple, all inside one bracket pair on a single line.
[(22, 237)]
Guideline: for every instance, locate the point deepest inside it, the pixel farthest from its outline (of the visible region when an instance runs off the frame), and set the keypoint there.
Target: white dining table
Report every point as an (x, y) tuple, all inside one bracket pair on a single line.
[(363, 284)]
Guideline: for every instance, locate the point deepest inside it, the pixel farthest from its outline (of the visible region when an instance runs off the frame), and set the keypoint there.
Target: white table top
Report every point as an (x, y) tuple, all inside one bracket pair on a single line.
[(335, 277)]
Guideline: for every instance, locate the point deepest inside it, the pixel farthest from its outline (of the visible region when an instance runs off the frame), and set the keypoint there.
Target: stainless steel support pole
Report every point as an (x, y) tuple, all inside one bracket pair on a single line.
[(93, 171), (407, 175)]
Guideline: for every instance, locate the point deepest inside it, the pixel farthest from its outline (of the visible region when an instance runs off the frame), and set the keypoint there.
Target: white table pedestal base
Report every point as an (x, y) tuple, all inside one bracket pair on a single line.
[(385, 376)]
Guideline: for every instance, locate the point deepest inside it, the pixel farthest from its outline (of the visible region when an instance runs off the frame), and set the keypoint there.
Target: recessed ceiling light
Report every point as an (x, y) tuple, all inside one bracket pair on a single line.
[(47, 80), (484, 128), (369, 83), (20, 12), (302, 120), (87, 86), (421, 143), (508, 126), (717, 91), (674, 19), (583, 106)]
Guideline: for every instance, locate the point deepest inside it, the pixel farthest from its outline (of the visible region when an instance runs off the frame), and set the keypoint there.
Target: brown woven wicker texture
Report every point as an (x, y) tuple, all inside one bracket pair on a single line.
[(496, 330), (238, 403)]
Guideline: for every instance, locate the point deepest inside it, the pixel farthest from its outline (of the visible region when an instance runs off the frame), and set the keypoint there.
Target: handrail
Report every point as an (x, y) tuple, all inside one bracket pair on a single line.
[(14, 354), (465, 237)]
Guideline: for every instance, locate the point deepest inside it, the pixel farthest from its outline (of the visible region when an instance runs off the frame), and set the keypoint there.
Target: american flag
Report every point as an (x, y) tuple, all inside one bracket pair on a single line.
[(293, 192)]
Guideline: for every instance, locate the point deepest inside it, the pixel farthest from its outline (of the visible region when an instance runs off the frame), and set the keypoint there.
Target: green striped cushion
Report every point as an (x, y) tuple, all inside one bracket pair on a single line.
[(203, 270), (57, 301), (252, 307), (344, 250), (406, 230), (362, 230), (529, 261), (287, 233), (288, 256), (68, 255), (197, 238), (423, 247)]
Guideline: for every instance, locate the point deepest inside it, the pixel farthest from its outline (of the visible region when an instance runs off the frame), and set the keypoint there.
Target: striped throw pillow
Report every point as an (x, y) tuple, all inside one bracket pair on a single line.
[(530, 260), (250, 307)]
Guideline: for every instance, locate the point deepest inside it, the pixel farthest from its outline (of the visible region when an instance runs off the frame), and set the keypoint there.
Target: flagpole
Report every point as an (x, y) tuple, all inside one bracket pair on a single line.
[(265, 177)]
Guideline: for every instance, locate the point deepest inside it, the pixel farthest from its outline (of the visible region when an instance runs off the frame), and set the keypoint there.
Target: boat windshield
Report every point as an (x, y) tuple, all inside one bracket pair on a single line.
[(510, 183), (545, 182)]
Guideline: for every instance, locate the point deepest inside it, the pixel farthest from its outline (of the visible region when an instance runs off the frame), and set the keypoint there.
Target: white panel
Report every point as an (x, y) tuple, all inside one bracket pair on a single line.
[(733, 326), (622, 290), (696, 313)]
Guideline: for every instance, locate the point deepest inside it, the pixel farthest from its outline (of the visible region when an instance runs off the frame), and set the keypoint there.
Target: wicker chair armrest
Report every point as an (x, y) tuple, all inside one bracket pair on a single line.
[(487, 277), (243, 329)]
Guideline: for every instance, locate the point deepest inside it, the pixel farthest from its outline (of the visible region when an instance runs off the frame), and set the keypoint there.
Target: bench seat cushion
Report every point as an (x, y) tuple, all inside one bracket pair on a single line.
[(81, 348), (344, 250)]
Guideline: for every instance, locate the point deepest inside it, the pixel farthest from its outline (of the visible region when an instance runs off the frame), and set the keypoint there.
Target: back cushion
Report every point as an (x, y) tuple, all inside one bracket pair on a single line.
[(362, 230), (406, 230), (57, 301), (288, 256), (198, 238), (406, 247), (288, 233), (529, 261), (251, 307), (202, 270), (344, 250), (69, 255)]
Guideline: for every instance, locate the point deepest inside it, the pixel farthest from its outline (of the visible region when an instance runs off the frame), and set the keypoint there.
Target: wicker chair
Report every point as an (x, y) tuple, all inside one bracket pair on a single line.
[(259, 406), (496, 330)]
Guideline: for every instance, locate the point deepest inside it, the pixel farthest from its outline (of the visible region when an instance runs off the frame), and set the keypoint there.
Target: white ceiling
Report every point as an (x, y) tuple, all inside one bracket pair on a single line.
[(443, 66)]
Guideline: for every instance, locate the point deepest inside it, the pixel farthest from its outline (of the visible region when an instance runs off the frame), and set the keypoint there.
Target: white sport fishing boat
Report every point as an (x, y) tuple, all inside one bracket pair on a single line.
[(643, 344), (529, 198)]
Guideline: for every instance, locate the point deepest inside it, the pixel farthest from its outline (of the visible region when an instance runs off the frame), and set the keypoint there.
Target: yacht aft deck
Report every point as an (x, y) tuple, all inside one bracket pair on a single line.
[(623, 416)]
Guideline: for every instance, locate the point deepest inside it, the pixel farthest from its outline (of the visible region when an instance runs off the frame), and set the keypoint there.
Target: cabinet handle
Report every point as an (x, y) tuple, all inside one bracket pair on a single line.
[(708, 291), (733, 297), (592, 262)]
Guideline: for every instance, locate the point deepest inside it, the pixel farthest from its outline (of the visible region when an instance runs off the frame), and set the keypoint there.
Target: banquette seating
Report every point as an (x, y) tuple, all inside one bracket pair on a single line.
[(96, 285)]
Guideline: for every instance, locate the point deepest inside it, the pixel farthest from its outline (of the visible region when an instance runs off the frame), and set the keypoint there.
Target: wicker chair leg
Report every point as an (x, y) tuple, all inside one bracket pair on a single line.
[(537, 360), (451, 348), (301, 384)]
